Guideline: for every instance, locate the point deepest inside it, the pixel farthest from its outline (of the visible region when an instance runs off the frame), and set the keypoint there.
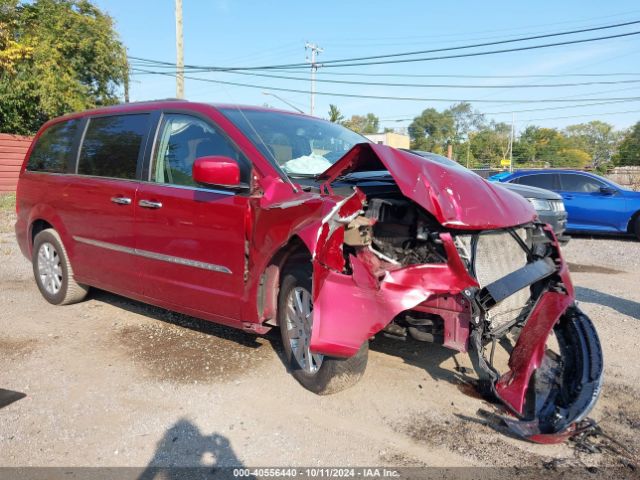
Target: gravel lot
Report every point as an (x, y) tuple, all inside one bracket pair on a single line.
[(112, 382)]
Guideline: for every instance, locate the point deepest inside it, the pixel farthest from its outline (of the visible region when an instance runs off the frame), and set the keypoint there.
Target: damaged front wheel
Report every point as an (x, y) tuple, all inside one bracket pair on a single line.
[(318, 373)]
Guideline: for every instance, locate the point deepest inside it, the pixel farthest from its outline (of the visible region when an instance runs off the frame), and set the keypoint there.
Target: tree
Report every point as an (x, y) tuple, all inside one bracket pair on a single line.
[(57, 56), (465, 120), (598, 139), (11, 51), (491, 143), (540, 144), (629, 150), (572, 157), (432, 131), (549, 147), (334, 114), (363, 124)]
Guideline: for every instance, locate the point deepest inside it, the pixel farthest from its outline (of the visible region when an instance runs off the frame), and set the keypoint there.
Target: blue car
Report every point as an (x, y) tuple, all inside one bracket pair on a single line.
[(594, 204)]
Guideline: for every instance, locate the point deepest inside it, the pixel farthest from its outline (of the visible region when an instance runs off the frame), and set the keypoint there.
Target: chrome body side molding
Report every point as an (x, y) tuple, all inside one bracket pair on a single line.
[(153, 255)]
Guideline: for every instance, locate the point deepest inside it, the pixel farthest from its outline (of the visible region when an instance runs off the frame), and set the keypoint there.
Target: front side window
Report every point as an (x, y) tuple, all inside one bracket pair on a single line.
[(54, 148), (299, 145), (579, 183), (542, 180), (183, 139), (112, 145)]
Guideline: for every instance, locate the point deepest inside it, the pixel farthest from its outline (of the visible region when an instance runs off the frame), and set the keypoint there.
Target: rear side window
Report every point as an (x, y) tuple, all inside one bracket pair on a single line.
[(112, 144), (543, 180), (54, 148)]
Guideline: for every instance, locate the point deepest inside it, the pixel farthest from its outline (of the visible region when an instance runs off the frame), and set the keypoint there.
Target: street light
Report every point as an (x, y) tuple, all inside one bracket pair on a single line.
[(283, 100)]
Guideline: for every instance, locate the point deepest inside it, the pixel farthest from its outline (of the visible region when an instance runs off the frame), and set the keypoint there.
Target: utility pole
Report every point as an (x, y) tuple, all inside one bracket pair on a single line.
[(126, 88), (468, 149), (315, 50), (127, 79), (179, 52), (513, 121)]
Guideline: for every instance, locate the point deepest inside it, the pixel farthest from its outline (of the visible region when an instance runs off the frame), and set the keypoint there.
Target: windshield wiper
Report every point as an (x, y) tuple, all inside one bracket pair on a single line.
[(372, 173), (304, 175)]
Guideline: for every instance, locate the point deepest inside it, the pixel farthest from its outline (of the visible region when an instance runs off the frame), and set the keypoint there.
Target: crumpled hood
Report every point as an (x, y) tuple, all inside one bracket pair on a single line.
[(455, 197)]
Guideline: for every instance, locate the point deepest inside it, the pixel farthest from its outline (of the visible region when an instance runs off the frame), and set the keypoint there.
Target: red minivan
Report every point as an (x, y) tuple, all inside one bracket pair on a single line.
[(258, 218)]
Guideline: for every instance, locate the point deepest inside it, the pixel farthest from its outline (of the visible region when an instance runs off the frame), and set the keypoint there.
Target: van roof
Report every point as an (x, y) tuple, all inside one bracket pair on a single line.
[(168, 103)]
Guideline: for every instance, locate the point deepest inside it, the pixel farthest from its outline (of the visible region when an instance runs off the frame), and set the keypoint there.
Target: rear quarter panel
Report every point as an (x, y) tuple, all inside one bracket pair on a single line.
[(41, 196)]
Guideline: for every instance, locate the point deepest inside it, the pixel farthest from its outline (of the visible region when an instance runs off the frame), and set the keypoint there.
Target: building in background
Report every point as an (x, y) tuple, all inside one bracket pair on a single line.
[(391, 139), (12, 151)]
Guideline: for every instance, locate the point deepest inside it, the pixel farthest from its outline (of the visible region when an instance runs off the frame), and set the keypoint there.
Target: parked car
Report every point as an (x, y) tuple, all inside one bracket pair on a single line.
[(256, 218), (548, 204), (594, 204)]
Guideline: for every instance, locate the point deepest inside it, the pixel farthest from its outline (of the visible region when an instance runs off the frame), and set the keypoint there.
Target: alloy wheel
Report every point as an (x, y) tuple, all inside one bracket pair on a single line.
[(49, 268), (299, 317)]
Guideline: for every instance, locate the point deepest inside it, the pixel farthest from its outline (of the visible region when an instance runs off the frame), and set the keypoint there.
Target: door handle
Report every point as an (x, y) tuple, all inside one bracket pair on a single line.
[(121, 200), (149, 204), (567, 197)]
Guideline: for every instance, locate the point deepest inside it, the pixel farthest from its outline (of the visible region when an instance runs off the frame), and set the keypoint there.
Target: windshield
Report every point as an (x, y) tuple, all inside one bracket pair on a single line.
[(299, 145)]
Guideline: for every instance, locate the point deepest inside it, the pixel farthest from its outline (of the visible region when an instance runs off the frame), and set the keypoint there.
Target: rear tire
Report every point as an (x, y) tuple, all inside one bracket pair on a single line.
[(53, 272), (318, 373)]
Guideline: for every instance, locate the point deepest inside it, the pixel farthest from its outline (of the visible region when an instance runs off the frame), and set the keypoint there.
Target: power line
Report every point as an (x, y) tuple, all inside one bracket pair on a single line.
[(437, 75), (509, 112), (354, 61), (379, 97), (608, 59), (579, 116), (478, 54), (169, 66), (485, 44), (536, 110), (434, 85), (575, 22), (147, 63)]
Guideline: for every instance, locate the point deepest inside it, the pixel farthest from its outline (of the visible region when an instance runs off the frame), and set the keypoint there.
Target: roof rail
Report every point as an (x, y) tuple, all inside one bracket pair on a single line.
[(155, 100)]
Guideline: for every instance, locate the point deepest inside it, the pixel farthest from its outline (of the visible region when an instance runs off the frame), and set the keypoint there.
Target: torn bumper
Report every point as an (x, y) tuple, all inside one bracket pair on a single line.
[(359, 292), (551, 392)]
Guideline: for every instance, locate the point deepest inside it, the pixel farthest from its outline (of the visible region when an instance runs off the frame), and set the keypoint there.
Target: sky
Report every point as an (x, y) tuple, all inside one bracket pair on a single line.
[(225, 33)]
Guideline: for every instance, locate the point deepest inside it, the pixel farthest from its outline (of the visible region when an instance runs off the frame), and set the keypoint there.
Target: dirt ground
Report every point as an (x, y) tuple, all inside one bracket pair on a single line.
[(113, 382)]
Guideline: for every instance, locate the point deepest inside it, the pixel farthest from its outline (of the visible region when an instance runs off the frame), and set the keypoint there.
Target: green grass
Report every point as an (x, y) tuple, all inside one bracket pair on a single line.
[(7, 201)]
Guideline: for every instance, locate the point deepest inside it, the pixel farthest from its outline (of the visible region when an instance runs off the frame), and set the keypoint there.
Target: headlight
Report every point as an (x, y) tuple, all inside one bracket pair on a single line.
[(558, 205), (540, 204)]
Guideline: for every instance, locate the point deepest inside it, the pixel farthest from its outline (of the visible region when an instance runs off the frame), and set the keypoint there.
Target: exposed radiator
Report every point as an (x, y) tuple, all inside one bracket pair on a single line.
[(498, 254)]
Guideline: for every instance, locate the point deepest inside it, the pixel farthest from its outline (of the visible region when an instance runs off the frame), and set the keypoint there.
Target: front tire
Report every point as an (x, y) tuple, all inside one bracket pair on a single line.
[(53, 272), (315, 372), (636, 227)]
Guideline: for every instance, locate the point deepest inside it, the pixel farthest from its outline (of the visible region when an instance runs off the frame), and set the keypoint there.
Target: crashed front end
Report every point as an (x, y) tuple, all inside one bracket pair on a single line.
[(427, 261)]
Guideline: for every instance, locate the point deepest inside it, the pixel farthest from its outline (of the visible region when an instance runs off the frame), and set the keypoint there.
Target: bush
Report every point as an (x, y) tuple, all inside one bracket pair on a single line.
[(7, 201)]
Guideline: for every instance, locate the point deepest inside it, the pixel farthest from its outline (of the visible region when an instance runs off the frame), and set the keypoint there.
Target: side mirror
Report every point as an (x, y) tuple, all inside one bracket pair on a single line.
[(216, 170), (608, 190)]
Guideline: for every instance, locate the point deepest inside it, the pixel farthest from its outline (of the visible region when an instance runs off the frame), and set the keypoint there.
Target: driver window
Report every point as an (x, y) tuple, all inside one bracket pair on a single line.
[(184, 138)]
